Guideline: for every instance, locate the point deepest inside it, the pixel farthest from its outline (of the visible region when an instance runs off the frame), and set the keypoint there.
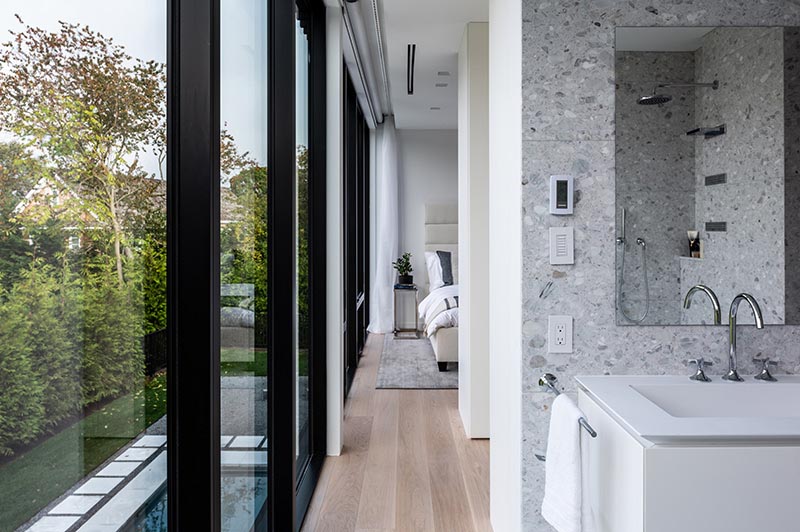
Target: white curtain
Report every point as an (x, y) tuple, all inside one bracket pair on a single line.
[(381, 298)]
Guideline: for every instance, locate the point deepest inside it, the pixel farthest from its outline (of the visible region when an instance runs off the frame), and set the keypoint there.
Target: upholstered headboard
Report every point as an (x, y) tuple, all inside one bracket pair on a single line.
[(441, 231)]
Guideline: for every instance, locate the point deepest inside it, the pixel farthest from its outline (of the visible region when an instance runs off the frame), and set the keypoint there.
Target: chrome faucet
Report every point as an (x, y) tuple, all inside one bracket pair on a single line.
[(732, 374), (687, 301)]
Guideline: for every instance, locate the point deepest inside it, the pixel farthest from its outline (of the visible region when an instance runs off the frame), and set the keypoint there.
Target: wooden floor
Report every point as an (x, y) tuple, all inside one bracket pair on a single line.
[(406, 465)]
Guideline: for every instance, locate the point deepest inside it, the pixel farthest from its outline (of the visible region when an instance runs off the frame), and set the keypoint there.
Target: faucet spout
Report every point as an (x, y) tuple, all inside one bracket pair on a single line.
[(733, 374), (687, 301)]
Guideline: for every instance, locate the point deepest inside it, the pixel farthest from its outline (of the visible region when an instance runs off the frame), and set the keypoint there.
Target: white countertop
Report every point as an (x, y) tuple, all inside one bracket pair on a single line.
[(672, 410)]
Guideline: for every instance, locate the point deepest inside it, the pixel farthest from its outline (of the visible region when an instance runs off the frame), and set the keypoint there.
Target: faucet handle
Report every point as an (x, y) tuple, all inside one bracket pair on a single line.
[(700, 374), (766, 362)]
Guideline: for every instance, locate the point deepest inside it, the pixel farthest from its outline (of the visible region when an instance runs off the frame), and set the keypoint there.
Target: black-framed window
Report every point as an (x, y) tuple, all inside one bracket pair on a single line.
[(356, 229), (249, 183), (162, 250)]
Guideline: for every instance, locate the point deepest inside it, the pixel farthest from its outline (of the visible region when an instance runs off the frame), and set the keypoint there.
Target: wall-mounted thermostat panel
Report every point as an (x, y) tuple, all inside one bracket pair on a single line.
[(561, 194)]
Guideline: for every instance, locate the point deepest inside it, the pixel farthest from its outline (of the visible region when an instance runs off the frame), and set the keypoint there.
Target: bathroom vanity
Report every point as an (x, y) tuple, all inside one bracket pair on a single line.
[(677, 455)]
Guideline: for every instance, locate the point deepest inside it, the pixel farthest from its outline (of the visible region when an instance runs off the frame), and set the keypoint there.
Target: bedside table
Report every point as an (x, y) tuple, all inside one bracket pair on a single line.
[(405, 295)]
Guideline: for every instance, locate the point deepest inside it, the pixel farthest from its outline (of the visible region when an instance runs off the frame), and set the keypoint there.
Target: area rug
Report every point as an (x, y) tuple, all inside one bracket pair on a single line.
[(411, 365)]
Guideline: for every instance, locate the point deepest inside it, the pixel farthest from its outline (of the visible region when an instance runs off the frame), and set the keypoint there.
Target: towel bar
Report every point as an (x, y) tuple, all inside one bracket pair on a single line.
[(548, 381)]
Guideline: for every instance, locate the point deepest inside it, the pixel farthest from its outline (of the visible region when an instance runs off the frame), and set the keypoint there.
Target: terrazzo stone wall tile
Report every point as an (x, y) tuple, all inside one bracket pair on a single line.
[(748, 63), (655, 183), (791, 89), (568, 127)]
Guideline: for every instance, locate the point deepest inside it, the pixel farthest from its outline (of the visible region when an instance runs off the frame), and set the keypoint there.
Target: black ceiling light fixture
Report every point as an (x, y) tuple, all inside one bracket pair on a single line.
[(412, 57)]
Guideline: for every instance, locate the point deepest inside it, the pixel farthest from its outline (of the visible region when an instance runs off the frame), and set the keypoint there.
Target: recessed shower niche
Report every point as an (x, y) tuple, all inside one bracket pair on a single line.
[(707, 137)]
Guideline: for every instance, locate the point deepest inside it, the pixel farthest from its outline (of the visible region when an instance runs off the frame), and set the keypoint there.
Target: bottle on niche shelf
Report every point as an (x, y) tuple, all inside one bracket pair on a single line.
[(695, 249)]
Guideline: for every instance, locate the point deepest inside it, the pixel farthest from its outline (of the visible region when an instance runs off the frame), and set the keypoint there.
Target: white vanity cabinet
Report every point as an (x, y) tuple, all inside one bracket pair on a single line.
[(689, 485)]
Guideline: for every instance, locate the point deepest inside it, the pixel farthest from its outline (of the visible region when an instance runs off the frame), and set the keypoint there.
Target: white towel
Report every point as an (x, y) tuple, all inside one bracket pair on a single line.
[(564, 506)]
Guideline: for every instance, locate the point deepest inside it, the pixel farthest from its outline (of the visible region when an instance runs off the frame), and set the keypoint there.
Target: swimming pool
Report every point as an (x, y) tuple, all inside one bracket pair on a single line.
[(243, 497)]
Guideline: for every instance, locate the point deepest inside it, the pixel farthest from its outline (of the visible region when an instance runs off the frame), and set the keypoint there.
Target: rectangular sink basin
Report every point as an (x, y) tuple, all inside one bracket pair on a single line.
[(672, 409), (724, 400)]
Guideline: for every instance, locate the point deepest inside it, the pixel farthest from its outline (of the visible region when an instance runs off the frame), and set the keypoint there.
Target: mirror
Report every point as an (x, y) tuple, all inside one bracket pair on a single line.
[(707, 172)]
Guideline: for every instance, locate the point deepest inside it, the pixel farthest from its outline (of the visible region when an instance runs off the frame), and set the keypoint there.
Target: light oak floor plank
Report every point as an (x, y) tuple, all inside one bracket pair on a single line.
[(315, 506), (376, 510), (451, 511), (406, 466), (343, 494), (414, 509), (473, 455)]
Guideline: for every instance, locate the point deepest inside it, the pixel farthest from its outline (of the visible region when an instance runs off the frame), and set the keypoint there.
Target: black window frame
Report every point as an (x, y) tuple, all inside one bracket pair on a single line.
[(356, 152), (193, 300)]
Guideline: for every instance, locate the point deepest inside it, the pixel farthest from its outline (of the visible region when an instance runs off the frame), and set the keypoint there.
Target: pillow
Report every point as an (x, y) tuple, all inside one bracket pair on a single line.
[(440, 268), (446, 261)]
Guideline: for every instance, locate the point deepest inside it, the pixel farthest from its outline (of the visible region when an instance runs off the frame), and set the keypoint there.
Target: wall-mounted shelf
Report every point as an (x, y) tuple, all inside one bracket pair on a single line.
[(716, 227), (707, 132)]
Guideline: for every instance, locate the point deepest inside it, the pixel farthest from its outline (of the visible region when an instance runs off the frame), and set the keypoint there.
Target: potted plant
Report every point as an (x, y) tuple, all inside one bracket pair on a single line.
[(404, 269)]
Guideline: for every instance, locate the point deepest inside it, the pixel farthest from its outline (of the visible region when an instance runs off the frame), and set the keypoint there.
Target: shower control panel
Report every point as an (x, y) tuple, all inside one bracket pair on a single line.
[(561, 194)]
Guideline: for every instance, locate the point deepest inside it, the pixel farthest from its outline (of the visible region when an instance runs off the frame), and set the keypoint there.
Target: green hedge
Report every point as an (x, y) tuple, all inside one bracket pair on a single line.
[(66, 342)]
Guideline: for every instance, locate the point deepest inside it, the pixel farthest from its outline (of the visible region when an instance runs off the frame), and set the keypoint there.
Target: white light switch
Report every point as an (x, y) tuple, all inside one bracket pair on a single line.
[(559, 334), (562, 245)]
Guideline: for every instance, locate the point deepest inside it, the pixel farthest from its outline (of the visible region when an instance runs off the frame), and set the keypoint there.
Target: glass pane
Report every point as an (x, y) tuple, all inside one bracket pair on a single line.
[(303, 341), (243, 262), (82, 263)]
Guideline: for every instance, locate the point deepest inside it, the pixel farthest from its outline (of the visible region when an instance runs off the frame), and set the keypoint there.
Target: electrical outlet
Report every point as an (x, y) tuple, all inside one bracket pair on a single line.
[(559, 334)]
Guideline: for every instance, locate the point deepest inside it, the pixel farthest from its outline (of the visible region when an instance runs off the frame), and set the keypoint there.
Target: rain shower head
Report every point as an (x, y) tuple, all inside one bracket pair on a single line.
[(654, 99), (661, 99)]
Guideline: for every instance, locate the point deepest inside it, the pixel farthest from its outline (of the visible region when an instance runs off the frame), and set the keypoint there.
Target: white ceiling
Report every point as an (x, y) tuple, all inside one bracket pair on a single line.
[(436, 27), (660, 39)]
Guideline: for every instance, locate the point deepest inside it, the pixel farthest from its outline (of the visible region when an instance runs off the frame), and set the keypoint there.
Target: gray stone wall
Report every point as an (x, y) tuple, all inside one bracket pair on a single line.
[(655, 182), (749, 255), (568, 127), (791, 83)]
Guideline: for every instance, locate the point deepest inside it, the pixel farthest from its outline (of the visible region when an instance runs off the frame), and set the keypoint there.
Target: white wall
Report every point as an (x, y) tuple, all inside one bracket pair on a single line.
[(428, 173), (334, 234), (505, 262), (473, 229)]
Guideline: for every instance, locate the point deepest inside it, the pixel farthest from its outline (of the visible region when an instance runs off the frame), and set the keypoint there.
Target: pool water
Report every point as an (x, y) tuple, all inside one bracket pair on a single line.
[(242, 499)]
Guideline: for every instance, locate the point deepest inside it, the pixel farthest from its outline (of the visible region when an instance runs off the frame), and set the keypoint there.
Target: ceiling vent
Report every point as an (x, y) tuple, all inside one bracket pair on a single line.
[(412, 58)]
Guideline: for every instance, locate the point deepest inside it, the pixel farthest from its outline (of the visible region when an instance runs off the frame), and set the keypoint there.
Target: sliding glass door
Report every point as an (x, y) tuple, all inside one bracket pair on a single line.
[(243, 260), (356, 229), (83, 274), (162, 251), (310, 250)]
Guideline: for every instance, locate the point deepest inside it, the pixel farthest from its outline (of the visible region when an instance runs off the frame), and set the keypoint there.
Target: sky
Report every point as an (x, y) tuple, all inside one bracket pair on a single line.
[(140, 26)]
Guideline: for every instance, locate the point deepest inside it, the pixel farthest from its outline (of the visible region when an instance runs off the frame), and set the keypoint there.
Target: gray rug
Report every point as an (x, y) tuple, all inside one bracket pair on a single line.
[(411, 364)]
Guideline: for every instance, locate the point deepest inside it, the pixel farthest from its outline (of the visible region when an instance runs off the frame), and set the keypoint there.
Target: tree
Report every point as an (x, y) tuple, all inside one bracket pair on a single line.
[(50, 310), (17, 176), (90, 109), (245, 242), (21, 409)]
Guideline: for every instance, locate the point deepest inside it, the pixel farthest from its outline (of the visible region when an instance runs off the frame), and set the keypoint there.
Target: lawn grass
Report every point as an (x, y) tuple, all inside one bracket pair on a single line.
[(237, 361), (32, 480)]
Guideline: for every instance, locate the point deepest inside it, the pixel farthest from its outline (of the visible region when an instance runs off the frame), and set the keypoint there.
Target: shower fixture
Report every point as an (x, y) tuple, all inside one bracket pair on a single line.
[(660, 99), (621, 241)]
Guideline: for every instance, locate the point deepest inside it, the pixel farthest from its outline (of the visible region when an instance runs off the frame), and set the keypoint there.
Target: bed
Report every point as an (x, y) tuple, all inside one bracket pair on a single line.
[(439, 309)]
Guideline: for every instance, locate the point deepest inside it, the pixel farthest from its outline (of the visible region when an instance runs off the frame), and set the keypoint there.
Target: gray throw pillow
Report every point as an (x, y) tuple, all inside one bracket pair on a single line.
[(446, 260)]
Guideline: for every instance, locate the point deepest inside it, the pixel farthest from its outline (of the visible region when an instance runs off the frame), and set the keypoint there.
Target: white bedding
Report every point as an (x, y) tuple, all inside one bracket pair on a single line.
[(432, 313)]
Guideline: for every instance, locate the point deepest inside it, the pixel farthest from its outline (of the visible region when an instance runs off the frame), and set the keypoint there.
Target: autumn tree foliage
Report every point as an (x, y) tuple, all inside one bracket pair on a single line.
[(89, 110)]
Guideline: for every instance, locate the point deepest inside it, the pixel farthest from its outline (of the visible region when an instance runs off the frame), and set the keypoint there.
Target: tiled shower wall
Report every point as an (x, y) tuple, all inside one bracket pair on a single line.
[(568, 128), (655, 182), (749, 255)]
